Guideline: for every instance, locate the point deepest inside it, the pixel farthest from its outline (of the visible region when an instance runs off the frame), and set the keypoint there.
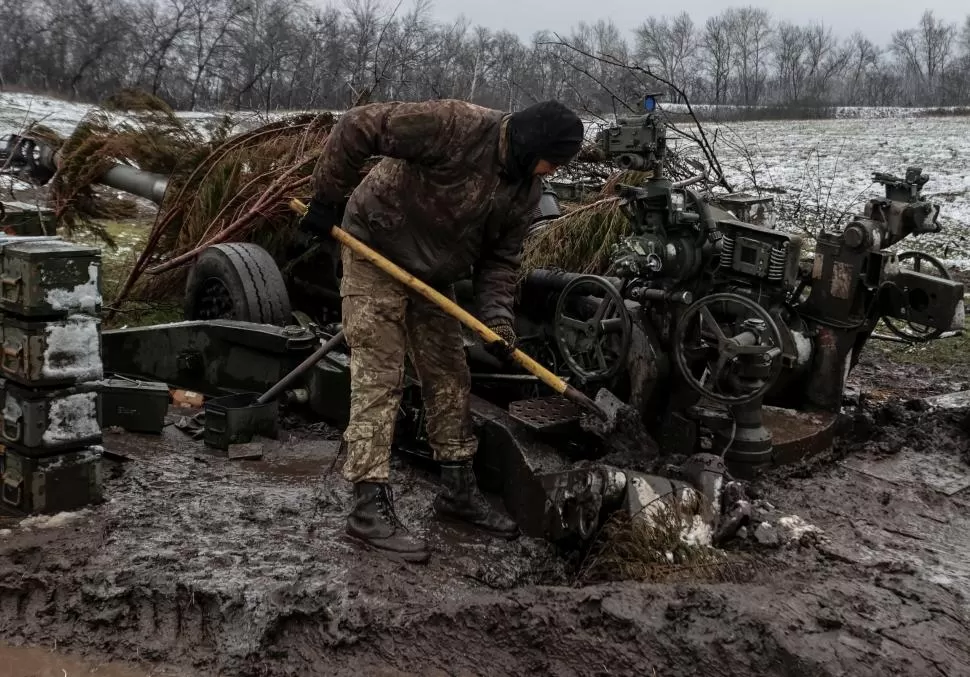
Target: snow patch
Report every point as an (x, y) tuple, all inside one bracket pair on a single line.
[(699, 533), (79, 458), (84, 297), (838, 112), (958, 400), (12, 411), (9, 184), (939, 579), (803, 347), (61, 519), (73, 349), (795, 527), (72, 418), (959, 320), (649, 500)]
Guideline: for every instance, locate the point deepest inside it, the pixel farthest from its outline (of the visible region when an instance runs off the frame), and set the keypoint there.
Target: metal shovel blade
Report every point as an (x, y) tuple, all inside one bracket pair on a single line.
[(621, 429)]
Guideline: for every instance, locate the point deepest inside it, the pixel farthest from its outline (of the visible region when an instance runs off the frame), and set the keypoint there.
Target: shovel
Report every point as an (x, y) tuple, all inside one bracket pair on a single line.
[(615, 422), (301, 369)]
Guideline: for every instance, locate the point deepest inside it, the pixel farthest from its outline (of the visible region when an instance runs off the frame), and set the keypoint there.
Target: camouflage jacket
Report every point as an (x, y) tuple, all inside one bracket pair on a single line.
[(436, 204)]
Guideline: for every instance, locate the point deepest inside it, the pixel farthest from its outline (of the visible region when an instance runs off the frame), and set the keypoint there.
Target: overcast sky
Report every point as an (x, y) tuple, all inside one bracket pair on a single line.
[(877, 19)]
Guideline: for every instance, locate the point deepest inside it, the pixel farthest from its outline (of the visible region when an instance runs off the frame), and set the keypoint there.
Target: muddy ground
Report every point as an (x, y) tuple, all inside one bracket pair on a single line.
[(197, 565)]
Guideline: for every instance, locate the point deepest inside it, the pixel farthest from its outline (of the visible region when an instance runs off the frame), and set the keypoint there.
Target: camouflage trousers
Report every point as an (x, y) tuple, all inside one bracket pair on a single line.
[(384, 323)]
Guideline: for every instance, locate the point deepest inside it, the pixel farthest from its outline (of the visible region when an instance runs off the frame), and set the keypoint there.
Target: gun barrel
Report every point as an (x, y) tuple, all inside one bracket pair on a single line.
[(36, 158), (144, 184)]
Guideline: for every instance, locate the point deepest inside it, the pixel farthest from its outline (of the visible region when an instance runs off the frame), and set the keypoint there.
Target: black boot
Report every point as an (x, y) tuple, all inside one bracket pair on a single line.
[(462, 500), (374, 522)]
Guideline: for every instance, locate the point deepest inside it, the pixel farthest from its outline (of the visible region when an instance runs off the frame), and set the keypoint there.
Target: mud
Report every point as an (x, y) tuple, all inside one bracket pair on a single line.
[(37, 662), (218, 567)]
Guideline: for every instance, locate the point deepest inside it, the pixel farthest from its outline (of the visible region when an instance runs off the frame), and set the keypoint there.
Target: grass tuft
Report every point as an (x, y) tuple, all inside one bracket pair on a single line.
[(655, 550)]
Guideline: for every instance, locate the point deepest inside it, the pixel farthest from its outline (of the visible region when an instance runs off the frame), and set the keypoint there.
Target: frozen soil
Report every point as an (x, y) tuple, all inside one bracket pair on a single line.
[(197, 565)]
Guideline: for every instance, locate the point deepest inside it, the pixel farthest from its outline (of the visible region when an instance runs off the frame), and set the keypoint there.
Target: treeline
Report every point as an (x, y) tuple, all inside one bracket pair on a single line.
[(293, 54)]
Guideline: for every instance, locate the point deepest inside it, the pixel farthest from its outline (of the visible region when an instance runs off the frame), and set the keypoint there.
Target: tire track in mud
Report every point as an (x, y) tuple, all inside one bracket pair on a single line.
[(154, 622), (842, 622), (240, 569)]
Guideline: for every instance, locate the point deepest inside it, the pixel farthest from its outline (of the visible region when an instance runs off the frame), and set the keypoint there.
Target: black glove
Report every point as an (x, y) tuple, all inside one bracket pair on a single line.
[(320, 217), (502, 349)]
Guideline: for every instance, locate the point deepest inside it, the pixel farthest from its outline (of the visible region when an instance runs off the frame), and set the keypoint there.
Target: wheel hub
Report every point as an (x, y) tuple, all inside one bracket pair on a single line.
[(215, 300)]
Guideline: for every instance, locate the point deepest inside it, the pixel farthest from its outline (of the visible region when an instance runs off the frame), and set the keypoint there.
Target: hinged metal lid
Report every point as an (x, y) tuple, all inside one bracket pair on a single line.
[(48, 249), (123, 384), (28, 394)]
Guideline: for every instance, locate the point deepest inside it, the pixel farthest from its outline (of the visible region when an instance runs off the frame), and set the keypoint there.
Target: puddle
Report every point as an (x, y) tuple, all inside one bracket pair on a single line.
[(36, 662), (947, 476)]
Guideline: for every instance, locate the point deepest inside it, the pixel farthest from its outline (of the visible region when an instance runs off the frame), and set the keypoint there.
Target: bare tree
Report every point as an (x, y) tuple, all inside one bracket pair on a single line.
[(262, 47), (669, 47), (863, 61), (211, 22), (22, 33), (482, 49), (791, 46), (90, 34), (964, 44), (825, 60), (444, 75), (750, 35), (163, 25), (363, 34), (925, 52), (718, 53), (413, 47), (270, 54)]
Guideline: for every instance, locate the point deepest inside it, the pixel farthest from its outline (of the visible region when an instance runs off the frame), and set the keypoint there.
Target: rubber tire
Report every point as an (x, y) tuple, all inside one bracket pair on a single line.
[(252, 278)]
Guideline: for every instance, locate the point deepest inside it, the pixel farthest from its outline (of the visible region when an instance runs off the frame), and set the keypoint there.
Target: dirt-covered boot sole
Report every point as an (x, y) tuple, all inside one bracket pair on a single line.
[(419, 557)]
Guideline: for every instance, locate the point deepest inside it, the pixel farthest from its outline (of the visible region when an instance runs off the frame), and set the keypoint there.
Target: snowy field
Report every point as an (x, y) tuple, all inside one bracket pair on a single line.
[(829, 164), (825, 164), (838, 112), (16, 110)]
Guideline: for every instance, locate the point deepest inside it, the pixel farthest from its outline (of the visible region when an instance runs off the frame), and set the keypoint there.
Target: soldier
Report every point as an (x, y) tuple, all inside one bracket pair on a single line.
[(451, 198)]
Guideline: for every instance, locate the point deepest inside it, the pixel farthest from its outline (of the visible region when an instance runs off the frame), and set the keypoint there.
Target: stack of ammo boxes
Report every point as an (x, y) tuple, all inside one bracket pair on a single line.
[(50, 334)]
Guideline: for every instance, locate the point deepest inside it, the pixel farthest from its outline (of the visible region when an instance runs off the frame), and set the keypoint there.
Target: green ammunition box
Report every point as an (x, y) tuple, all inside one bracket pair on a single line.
[(136, 406), (237, 419), (53, 353), (51, 484), (49, 278), (22, 218), (42, 422)]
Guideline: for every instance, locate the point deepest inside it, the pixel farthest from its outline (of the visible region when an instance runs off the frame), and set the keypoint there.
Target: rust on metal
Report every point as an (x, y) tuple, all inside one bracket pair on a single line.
[(797, 435)]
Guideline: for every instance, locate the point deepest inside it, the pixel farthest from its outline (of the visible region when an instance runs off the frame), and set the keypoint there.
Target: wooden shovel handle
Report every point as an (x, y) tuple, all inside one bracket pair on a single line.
[(457, 312)]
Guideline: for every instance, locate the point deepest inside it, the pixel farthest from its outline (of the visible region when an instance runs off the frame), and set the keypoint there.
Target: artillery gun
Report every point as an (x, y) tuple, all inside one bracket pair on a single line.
[(716, 329), (723, 336)]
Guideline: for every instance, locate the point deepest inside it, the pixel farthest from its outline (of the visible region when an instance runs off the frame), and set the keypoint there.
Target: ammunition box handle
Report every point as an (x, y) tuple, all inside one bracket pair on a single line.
[(6, 428), (9, 485), (215, 421), (10, 282), (11, 357)]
